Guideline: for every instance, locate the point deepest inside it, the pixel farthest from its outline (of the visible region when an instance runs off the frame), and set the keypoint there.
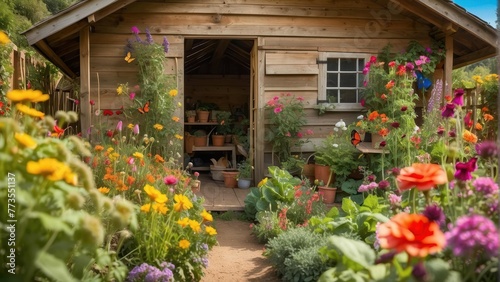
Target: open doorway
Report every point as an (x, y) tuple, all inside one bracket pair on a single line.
[(217, 79)]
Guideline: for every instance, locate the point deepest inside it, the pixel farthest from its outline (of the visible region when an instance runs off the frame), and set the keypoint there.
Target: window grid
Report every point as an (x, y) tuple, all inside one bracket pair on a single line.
[(336, 90)]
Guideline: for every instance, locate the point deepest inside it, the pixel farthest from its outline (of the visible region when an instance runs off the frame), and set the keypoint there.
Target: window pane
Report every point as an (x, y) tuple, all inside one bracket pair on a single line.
[(331, 95), (361, 64), (348, 80), (348, 96), (360, 80), (332, 80), (332, 64), (348, 64)]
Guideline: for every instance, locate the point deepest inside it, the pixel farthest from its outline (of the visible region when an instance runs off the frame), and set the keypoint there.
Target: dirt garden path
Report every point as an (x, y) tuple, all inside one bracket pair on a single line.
[(238, 257)]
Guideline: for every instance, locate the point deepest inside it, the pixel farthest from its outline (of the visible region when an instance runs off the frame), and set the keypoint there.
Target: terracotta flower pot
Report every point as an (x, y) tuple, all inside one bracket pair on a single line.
[(218, 140), (200, 141), (308, 171), (191, 119), (203, 116), (230, 179), (322, 173), (327, 194), (376, 140)]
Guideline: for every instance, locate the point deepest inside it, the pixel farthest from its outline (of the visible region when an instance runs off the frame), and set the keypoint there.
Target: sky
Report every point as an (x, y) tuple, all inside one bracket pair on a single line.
[(484, 9)]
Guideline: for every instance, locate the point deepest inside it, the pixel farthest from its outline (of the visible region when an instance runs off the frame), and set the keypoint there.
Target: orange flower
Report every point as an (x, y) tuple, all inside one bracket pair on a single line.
[(422, 176), (373, 116), (159, 159), (389, 85), (383, 132), (478, 126), (130, 180), (413, 233), (383, 97), (485, 109), (98, 148), (359, 123), (469, 136), (150, 178), (384, 118), (488, 117)]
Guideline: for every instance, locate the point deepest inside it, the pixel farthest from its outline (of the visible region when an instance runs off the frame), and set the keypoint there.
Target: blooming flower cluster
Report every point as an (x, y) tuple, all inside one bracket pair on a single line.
[(146, 272)]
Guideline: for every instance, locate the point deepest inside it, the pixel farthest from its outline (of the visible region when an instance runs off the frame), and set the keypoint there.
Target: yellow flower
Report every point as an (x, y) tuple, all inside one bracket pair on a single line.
[(206, 216), (184, 244), (119, 90), (262, 182), (30, 95), (182, 203), (179, 104), (130, 126), (51, 168), (138, 155), (29, 111), (4, 39), (183, 222), (477, 78), (178, 136), (114, 156), (469, 136), (195, 225), (173, 93), (155, 195), (110, 149), (491, 77), (158, 127), (146, 208), (103, 190), (25, 140), (160, 208), (210, 230), (176, 119), (70, 177), (98, 148)]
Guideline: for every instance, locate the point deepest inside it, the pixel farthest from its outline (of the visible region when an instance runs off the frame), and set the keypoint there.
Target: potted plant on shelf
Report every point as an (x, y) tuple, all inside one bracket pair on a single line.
[(191, 116), (245, 174), (224, 125), (200, 138), (338, 155), (203, 114)]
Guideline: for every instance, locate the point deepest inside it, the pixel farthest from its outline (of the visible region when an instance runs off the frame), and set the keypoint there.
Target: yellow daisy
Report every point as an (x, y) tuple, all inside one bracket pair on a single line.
[(29, 95), (138, 155), (25, 140), (195, 225), (183, 222), (29, 111), (206, 216), (155, 195), (158, 127), (4, 39), (103, 190), (184, 244), (182, 203), (210, 230), (178, 136), (173, 93), (51, 168)]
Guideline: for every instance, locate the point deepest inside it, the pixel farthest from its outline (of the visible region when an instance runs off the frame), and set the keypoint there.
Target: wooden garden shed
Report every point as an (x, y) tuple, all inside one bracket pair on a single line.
[(240, 53)]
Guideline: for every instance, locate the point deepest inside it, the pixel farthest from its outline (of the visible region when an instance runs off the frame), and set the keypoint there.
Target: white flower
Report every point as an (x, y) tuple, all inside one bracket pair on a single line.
[(335, 145), (97, 112), (344, 128), (340, 124), (416, 129), (335, 129), (360, 117)]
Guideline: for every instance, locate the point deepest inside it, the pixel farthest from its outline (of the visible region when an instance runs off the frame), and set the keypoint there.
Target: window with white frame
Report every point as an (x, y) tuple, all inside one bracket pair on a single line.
[(341, 79)]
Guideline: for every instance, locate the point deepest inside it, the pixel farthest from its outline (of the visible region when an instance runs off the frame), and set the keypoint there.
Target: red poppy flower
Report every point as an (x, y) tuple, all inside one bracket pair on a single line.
[(58, 131), (92, 103), (414, 234), (107, 112), (109, 133), (422, 176), (118, 112)]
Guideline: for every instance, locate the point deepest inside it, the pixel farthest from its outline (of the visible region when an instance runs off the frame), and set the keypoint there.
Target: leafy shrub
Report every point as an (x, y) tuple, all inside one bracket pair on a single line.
[(283, 247), (268, 226), (305, 265)]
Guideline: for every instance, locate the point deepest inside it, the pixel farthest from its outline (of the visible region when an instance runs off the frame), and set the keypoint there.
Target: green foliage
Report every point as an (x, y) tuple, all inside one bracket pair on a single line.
[(283, 247), (225, 122), (278, 188), (245, 169), (268, 226), (304, 265)]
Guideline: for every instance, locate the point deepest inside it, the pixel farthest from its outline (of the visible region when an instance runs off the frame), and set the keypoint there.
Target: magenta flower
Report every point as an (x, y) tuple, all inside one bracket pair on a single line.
[(165, 44), (448, 111), (119, 126), (464, 170), (278, 110), (135, 130), (384, 184), (130, 161), (170, 180), (459, 97), (131, 95), (473, 235), (487, 149), (404, 108), (485, 185), (299, 134), (366, 70), (92, 102), (362, 102), (135, 30), (373, 59)]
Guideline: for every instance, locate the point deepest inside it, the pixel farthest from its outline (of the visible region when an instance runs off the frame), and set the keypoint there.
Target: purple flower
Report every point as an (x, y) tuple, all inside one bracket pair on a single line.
[(165, 44), (448, 111), (371, 177), (473, 235), (419, 272), (459, 97), (384, 184), (485, 185), (409, 66), (385, 258), (464, 170), (435, 213), (394, 199), (135, 30), (428, 50), (487, 149), (149, 37)]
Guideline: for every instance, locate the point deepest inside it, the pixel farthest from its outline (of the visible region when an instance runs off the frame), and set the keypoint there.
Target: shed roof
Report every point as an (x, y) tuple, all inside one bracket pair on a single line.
[(57, 37)]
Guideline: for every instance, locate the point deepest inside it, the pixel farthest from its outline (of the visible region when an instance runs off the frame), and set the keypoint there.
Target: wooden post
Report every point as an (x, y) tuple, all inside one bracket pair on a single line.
[(85, 114), (448, 67)]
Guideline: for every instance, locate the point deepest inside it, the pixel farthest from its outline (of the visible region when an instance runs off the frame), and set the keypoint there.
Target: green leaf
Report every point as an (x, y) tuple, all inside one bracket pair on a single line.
[(51, 222), (355, 254), (349, 207), (333, 212), (371, 202), (53, 267), (262, 205), (80, 263)]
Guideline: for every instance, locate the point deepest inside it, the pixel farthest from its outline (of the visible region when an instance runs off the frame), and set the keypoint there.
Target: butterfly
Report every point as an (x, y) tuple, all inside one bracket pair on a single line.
[(423, 82), (144, 109), (129, 58), (355, 138)]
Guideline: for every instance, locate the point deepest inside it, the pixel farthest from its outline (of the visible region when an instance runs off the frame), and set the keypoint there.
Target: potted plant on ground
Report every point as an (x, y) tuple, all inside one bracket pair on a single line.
[(338, 154), (245, 169)]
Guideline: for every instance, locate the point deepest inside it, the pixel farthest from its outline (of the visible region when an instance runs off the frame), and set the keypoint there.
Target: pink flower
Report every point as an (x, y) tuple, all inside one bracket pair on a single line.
[(170, 180), (288, 134), (276, 98), (130, 161), (300, 98), (92, 103), (136, 129), (278, 110), (299, 134), (119, 126), (373, 59), (131, 95), (394, 199), (196, 174), (309, 132), (135, 30)]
